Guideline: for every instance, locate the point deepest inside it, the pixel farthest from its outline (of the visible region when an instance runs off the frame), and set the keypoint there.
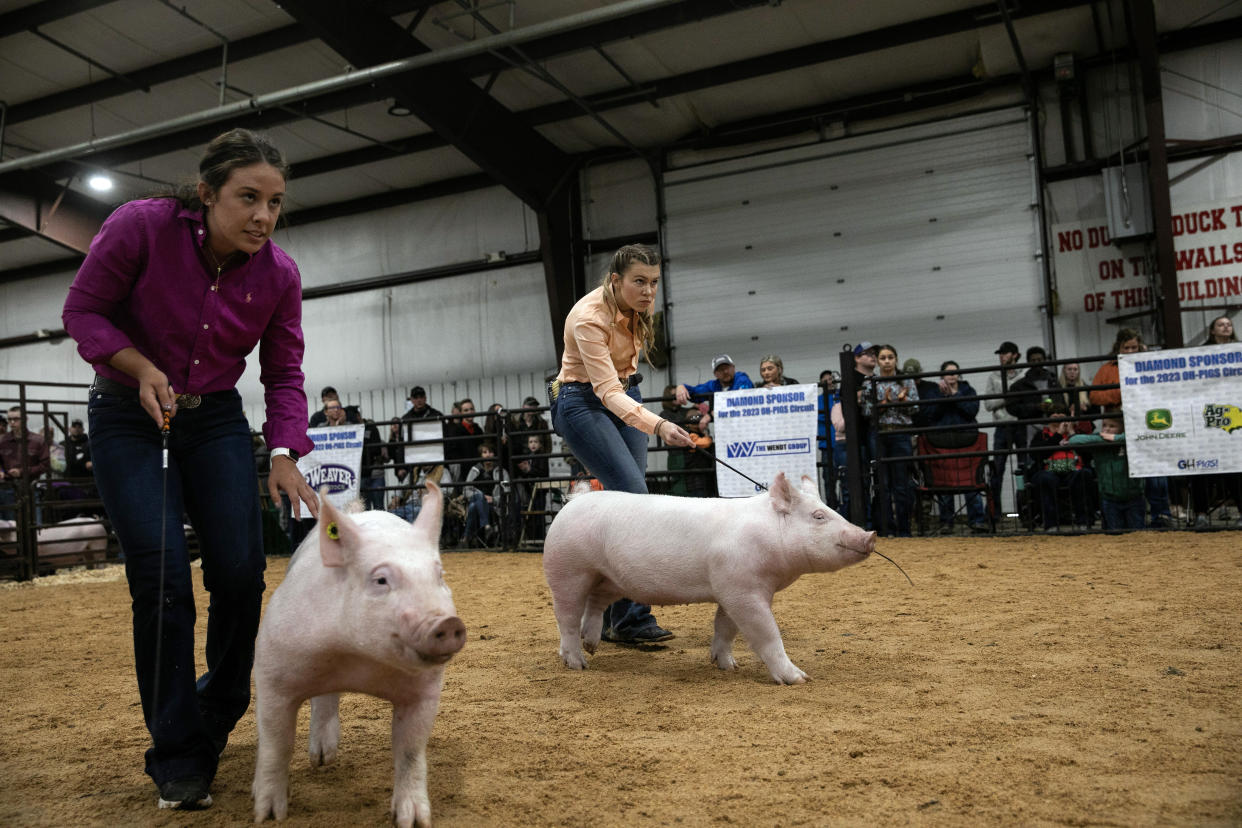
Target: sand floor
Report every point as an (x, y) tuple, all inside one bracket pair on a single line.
[(1039, 681)]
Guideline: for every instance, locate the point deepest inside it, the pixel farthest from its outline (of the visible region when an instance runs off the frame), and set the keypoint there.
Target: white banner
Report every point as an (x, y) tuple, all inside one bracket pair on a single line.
[(335, 462), (1183, 410), (762, 431), (1095, 276)]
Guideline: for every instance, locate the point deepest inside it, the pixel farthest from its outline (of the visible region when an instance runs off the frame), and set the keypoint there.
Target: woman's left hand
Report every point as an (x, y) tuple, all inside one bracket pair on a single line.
[(286, 478)]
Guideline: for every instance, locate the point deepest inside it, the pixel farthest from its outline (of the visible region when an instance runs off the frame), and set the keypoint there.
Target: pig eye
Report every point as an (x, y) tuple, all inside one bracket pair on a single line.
[(819, 514), (381, 580)]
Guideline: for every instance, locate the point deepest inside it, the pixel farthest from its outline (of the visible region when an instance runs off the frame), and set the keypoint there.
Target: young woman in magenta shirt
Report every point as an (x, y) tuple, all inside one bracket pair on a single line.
[(173, 295)]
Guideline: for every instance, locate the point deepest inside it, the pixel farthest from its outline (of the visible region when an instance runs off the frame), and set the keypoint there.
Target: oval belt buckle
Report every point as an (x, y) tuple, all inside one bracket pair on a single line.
[(188, 401)]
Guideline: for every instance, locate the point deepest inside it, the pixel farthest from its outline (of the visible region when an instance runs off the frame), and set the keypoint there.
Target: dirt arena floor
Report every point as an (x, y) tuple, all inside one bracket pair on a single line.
[(1045, 681)]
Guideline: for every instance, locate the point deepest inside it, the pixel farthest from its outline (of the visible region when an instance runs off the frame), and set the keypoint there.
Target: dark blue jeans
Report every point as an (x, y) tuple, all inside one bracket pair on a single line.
[(1046, 483), (616, 454), (211, 478), (1119, 514), (900, 494)]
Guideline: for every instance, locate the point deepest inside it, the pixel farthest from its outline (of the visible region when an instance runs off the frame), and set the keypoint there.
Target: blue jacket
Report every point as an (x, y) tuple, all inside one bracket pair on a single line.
[(948, 413), (706, 389)]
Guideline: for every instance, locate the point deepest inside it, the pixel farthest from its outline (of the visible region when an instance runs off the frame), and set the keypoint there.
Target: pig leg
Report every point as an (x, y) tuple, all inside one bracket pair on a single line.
[(277, 719), (753, 616), (325, 728), (593, 620), (722, 641), (411, 727), (568, 603)]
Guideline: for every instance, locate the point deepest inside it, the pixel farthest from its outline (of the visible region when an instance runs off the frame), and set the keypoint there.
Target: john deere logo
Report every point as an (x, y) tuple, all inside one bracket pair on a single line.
[(1158, 419)]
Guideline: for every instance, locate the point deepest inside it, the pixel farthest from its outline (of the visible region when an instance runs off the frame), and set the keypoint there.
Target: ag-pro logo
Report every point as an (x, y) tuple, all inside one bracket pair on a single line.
[(1158, 419), (1227, 418)]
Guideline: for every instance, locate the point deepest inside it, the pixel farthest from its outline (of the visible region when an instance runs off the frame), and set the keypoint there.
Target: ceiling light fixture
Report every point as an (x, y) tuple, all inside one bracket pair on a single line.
[(100, 182), (399, 110)]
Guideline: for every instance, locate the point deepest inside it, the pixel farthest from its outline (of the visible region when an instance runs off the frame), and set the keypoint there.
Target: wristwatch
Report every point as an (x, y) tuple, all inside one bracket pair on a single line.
[(285, 452)]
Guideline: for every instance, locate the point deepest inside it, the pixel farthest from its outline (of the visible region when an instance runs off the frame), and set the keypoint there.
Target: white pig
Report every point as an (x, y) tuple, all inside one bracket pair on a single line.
[(77, 540), (657, 549), (363, 608)]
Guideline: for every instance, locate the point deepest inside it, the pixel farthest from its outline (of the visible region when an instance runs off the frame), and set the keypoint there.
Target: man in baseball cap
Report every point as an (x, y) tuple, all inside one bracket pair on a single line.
[(728, 378), (1007, 348), (863, 347)]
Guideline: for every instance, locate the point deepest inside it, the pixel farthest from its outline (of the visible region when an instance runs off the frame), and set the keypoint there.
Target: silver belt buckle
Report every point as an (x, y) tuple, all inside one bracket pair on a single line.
[(188, 401)]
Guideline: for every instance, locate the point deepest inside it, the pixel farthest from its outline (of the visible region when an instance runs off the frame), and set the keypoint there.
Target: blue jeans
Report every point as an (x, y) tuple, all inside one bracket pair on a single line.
[(478, 514), (900, 492), (975, 512), (371, 492), (1156, 490), (1046, 483), (1122, 514), (407, 511), (616, 454), (211, 478)]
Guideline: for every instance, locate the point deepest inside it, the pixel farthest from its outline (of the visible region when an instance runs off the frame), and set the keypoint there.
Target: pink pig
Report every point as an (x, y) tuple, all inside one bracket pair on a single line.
[(657, 549), (364, 609)]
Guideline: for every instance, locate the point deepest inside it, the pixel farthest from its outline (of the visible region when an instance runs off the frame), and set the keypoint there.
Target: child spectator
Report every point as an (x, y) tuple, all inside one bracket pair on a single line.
[(1121, 496), (701, 481), (487, 483), (1061, 465)]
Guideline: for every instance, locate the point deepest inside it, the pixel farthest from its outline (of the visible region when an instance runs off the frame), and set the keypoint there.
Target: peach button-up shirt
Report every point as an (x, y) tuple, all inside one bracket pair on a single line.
[(601, 348)]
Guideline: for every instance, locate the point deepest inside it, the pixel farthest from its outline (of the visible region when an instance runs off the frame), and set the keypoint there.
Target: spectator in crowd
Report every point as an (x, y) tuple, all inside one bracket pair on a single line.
[(38, 459), (1077, 401), (495, 428), (772, 372), (1128, 341), (891, 387), (486, 485), (320, 417), (1061, 465), (525, 421), (1221, 331), (947, 403), (408, 504), (533, 466), (826, 433), (1121, 496), (374, 459), (597, 405), (1032, 406), (700, 468), (398, 435), (77, 448), (677, 456), (864, 368), (728, 378), (461, 439), (1008, 436), (923, 385)]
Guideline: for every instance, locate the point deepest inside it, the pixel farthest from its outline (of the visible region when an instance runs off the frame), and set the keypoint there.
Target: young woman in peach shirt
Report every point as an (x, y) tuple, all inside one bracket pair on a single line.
[(598, 408)]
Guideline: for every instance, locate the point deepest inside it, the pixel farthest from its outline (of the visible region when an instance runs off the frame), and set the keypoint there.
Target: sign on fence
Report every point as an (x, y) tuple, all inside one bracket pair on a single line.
[(335, 463), (1183, 410), (762, 431)]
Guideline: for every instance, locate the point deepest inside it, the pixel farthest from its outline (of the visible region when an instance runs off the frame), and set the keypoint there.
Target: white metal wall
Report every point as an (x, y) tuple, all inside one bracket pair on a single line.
[(922, 237)]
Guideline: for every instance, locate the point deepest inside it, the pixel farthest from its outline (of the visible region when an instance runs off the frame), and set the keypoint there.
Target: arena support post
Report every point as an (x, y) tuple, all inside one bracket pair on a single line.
[(853, 451)]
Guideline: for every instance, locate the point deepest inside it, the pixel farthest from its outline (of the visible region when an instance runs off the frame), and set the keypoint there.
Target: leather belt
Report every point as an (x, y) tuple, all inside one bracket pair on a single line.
[(104, 385)]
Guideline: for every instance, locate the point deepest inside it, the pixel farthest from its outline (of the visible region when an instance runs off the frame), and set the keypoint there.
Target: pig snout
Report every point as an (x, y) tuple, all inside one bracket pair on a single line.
[(435, 638)]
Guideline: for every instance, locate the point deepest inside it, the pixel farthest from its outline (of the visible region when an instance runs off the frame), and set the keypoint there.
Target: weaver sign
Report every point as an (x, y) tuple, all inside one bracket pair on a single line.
[(1094, 276)]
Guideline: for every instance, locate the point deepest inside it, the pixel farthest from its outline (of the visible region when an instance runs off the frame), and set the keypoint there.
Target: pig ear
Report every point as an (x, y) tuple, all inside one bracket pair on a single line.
[(782, 494), (427, 524), (337, 532)]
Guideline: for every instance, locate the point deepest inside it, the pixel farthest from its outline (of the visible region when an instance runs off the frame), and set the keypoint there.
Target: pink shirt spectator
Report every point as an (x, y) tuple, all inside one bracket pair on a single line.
[(145, 284)]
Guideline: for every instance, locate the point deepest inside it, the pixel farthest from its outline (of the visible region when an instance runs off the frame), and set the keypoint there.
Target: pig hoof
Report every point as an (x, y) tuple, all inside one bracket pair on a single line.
[(574, 661), (590, 646), (795, 676), (725, 662)]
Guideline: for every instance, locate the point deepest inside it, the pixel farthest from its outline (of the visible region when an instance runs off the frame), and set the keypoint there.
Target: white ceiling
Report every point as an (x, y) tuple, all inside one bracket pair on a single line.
[(129, 35)]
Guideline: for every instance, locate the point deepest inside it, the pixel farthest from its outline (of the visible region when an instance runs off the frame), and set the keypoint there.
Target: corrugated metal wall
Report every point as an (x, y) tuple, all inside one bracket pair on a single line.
[(923, 237)]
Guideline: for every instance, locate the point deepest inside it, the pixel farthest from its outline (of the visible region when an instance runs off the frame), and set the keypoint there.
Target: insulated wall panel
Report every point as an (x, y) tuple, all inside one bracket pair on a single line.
[(923, 237)]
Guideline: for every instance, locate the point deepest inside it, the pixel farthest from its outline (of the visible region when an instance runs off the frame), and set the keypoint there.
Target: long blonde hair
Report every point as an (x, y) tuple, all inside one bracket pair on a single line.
[(1084, 401), (644, 324)]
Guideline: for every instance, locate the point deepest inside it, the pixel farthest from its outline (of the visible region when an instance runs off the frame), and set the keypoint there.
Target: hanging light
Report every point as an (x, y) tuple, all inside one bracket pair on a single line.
[(399, 110), (100, 182)]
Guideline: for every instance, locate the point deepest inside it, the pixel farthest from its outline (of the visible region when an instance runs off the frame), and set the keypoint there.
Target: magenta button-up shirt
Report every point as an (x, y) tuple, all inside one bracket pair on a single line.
[(145, 284)]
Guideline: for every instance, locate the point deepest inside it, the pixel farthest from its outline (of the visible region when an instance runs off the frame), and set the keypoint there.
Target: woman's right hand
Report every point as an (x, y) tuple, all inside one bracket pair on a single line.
[(156, 395), (674, 435)]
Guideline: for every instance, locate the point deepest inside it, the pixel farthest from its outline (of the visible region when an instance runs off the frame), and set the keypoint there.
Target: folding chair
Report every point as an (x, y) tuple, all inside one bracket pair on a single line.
[(939, 472)]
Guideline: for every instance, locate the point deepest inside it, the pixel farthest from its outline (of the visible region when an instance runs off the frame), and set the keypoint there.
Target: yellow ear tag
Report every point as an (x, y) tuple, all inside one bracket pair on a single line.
[(333, 532)]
